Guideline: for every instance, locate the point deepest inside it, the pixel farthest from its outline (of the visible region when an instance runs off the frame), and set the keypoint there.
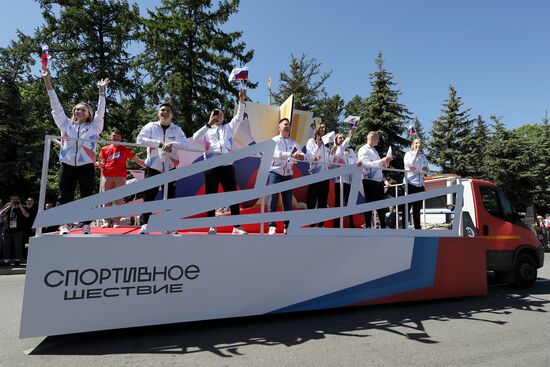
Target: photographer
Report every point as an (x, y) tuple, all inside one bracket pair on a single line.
[(14, 215)]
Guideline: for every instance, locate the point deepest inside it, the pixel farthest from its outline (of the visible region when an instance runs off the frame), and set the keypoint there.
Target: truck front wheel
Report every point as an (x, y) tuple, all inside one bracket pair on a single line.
[(525, 271)]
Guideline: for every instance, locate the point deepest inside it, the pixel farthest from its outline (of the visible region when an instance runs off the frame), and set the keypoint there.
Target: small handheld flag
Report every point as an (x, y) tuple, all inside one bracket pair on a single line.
[(239, 74), (352, 120), (411, 130), (44, 56), (389, 153)]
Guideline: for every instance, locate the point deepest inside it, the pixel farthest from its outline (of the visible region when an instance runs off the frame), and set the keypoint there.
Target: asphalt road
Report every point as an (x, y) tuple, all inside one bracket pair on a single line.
[(506, 328)]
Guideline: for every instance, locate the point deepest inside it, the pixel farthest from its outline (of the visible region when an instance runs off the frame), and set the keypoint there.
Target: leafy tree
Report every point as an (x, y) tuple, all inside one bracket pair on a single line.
[(383, 112), (330, 110), (188, 56), (355, 106), (448, 141), (305, 81)]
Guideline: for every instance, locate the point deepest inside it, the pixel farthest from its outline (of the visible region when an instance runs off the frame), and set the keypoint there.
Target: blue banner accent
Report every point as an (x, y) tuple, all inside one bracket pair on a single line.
[(420, 275)]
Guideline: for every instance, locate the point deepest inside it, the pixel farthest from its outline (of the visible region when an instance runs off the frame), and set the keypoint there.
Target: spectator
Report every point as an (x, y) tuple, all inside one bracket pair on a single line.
[(218, 139), (373, 176), (77, 157), (50, 229), (29, 231), (112, 162), (15, 216), (281, 169)]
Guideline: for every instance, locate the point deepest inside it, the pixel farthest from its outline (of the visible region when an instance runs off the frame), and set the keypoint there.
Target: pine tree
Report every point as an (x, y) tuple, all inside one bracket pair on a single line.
[(355, 106), (473, 156), (330, 110), (381, 111), (305, 81), (188, 56), (447, 144)]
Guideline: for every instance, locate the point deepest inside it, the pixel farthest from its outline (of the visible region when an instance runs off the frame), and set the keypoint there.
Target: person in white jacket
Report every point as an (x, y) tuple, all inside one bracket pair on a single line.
[(163, 139), (281, 169), (77, 157), (218, 139), (373, 177), (341, 155), (319, 157), (416, 165)]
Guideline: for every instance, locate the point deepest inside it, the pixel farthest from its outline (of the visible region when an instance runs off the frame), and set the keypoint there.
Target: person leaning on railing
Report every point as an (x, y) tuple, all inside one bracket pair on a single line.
[(77, 157), (416, 165), (218, 139), (286, 149), (163, 139)]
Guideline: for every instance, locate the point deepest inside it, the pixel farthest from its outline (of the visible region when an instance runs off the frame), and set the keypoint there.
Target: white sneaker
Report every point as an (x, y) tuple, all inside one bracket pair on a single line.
[(212, 230), (63, 229), (143, 229), (272, 230), (86, 229), (285, 231), (239, 231)]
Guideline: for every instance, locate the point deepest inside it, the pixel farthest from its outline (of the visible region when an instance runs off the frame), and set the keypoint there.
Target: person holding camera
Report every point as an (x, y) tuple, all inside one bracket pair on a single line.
[(373, 176), (163, 139), (318, 155), (77, 157), (281, 169), (15, 216), (218, 139)]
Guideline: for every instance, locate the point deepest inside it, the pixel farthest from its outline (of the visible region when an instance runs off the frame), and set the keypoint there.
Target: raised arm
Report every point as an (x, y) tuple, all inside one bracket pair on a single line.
[(100, 113), (236, 121), (59, 117)]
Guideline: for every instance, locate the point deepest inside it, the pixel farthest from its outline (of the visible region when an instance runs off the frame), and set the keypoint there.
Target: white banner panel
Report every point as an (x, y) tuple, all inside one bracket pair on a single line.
[(86, 283)]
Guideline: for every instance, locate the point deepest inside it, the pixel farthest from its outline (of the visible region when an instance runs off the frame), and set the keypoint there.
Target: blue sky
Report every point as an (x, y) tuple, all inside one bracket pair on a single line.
[(494, 52)]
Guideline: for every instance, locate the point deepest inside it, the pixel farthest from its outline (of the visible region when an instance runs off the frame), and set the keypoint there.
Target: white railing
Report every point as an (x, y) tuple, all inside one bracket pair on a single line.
[(171, 210)]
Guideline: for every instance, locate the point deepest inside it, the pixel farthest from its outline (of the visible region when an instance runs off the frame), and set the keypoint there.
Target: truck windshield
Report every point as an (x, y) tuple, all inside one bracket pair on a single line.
[(497, 204)]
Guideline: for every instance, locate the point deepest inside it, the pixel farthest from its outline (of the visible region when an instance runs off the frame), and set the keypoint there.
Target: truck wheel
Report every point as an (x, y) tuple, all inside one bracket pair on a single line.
[(525, 271)]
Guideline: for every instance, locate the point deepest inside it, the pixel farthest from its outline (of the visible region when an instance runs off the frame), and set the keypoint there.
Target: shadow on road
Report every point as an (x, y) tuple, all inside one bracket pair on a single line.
[(226, 338)]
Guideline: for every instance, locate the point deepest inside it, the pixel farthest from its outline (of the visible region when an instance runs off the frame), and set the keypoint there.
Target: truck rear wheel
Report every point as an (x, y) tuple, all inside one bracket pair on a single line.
[(525, 271)]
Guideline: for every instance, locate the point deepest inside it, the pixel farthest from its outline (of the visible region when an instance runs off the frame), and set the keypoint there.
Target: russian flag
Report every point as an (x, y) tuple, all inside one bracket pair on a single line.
[(239, 74), (411, 130), (44, 55)]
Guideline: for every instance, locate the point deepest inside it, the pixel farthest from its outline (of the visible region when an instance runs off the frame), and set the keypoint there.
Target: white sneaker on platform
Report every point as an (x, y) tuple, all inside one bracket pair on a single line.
[(86, 229), (239, 231), (272, 230), (143, 229), (63, 229), (212, 230)]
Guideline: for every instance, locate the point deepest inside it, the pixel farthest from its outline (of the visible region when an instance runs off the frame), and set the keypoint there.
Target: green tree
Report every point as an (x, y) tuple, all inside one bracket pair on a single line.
[(330, 110), (355, 106), (305, 81), (383, 112), (188, 57), (85, 51), (473, 155), (448, 144)]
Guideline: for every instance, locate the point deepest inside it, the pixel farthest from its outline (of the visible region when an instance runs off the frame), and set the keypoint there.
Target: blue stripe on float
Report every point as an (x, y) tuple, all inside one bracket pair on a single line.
[(420, 275)]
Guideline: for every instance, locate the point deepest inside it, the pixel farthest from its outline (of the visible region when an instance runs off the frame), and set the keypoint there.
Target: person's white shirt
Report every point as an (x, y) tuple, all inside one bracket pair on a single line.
[(153, 135), (371, 164), (282, 162), (343, 156), (218, 139), (318, 156), (414, 164)]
